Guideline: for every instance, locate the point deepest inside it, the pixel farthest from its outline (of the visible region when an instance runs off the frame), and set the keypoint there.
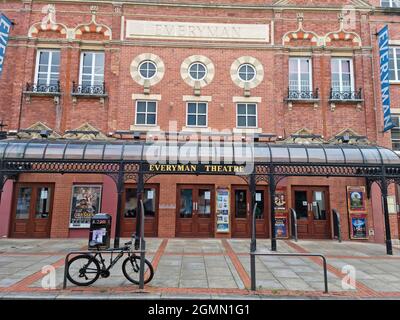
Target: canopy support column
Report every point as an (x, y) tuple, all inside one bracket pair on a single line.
[(120, 189), (140, 191), (253, 244), (384, 192), (272, 189)]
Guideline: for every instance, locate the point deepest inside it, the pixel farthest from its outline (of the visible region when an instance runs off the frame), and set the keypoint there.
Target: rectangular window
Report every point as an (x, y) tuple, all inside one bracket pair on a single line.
[(246, 115), (196, 114), (394, 63), (146, 113), (390, 3), (91, 69), (47, 71), (396, 133), (300, 75), (342, 75)]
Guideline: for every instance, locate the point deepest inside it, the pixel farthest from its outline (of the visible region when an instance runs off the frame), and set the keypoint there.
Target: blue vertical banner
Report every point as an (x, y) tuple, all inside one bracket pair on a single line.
[(5, 26), (383, 37)]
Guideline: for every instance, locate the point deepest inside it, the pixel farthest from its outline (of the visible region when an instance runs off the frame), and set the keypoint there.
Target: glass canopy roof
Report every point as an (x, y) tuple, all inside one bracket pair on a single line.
[(191, 152)]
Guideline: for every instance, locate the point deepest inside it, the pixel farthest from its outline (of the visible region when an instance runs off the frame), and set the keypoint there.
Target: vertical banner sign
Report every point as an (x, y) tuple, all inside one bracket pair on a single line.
[(383, 37), (5, 26)]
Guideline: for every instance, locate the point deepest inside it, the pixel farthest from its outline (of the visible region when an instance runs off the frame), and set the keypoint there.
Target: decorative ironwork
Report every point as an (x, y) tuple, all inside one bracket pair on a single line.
[(39, 88), (295, 95), (337, 95), (95, 90)]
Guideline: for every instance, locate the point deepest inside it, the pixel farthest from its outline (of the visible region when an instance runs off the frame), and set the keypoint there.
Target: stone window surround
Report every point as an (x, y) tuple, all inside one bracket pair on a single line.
[(257, 66), (209, 66), (149, 97), (134, 69)]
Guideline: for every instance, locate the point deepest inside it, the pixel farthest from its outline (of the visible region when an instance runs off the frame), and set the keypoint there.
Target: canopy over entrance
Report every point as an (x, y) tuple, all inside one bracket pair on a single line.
[(140, 160)]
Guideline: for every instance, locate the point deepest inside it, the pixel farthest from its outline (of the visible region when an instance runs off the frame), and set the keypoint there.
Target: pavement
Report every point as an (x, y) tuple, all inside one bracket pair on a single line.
[(208, 269)]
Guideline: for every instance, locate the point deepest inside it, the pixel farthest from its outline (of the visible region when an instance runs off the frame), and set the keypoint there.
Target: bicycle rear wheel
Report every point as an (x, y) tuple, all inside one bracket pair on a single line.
[(83, 270), (131, 267)]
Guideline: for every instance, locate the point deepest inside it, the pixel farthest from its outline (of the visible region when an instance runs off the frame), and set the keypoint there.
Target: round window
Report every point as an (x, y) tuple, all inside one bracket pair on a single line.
[(247, 72), (147, 69), (197, 71)]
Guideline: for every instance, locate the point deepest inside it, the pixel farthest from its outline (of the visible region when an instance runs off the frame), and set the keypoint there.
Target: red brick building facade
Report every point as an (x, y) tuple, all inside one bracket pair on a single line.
[(277, 69)]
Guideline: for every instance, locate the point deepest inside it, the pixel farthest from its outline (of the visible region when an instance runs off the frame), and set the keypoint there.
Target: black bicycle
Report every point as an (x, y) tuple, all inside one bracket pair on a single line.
[(85, 269)]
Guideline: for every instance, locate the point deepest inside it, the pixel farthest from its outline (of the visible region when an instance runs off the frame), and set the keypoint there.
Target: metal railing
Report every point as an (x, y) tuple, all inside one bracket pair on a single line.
[(293, 224), (306, 94), (254, 254), (337, 230), (345, 95), (43, 88), (84, 89)]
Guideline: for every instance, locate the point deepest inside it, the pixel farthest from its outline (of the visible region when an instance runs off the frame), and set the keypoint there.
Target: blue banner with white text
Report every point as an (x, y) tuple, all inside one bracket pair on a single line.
[(383, 37), (5, 26)]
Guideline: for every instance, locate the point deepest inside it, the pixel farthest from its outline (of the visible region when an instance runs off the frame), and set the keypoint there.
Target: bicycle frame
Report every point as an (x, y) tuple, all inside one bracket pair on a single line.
[(99, 257)]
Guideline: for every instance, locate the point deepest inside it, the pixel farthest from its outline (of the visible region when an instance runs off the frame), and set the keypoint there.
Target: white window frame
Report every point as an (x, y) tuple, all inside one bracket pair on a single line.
[(237, 115), (48, 67), (394, 50), (251, 66), (93, 67), (148, 61), (196, 114), (299, 86), (146, 113), (397, 128), (205, 68), (352, 83), (391, 4)]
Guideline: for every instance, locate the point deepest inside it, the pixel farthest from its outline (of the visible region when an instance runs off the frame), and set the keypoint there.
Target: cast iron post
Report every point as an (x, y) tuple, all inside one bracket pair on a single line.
[(139, 215), (120, 190), (272, 203), (384, 191), (253, 244)]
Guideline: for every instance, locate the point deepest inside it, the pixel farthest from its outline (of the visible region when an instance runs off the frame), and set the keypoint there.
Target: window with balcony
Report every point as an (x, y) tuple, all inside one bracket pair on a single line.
[(342, 77), (396, 133), (390, 3), (394, 64), (91, 75), (246, 115), (47, 73), (146, 113), (196, 114), (300, 82)]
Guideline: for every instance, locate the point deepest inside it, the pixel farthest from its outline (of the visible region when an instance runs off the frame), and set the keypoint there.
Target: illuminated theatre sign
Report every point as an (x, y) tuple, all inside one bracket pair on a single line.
[(198, 31), (196, 168)]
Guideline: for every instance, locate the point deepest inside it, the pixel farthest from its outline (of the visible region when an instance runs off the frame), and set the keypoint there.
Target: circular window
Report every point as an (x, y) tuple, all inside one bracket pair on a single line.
[(147, 69), (197, 71), (247, 72)]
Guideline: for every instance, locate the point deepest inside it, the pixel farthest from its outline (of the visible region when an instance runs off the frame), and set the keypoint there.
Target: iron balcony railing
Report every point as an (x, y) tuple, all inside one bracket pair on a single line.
[(43, 88), (95, 90), (345, 95), (294, 94)]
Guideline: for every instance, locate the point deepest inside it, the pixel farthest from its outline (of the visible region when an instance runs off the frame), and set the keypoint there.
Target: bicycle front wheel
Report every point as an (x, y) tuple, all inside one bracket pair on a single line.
[(131, 268), (83, 270)]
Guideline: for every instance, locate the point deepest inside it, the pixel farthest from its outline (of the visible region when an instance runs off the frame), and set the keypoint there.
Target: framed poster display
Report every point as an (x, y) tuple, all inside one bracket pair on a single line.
[(280, 200), (85, 203), (359, 226), (356, 199), (222, 204), (281, 227)]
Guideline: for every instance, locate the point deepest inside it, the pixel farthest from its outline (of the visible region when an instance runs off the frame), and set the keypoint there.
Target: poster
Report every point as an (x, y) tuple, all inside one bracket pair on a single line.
[(85, 203), (222, 210), (358, 224), (356, 199), (280, 200), (281, 227)]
